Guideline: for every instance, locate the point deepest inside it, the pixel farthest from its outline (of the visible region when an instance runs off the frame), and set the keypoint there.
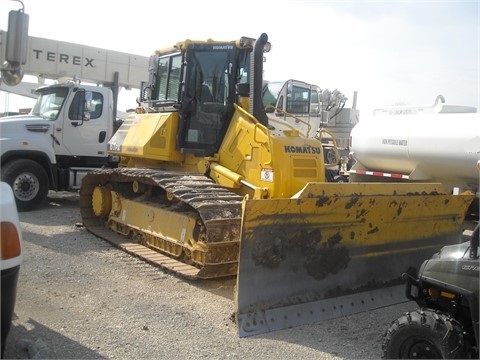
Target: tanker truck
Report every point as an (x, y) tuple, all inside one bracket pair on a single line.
[(415, 144)]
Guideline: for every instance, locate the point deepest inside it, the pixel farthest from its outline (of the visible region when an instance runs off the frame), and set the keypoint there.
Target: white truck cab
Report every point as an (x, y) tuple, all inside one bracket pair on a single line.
[(64, 136)]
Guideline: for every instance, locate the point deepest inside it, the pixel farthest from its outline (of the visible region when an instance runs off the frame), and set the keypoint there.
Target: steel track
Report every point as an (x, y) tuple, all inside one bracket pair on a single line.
[(218, 208)]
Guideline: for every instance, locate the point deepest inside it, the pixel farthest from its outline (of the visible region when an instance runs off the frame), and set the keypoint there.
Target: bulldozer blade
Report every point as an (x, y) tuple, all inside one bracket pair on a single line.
[(337, 249)]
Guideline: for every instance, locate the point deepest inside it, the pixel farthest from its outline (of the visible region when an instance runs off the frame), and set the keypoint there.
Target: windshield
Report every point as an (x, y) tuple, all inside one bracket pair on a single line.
[(212, 71), (50, 102), (270, 93)]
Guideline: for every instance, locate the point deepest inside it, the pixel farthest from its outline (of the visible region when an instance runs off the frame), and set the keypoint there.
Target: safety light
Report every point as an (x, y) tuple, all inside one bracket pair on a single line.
[(10, 240)]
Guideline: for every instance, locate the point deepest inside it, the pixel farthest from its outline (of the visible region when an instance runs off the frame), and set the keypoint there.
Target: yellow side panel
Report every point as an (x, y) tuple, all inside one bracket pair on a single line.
[(272, 159), (149, 136), (296, 161)]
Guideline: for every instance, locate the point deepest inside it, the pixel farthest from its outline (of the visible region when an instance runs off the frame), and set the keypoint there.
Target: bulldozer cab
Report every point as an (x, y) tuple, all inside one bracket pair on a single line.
[(200, 80)]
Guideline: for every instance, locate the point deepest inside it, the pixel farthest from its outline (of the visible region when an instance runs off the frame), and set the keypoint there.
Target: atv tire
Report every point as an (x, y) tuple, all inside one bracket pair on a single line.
[(29, 182), (424, 334)]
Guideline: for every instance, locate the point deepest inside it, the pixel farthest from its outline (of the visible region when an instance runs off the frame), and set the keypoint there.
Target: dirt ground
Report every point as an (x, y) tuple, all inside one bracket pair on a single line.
[(81, 298)]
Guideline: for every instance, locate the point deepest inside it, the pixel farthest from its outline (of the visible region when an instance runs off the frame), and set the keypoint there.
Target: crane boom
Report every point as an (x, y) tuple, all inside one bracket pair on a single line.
[(54, 59)]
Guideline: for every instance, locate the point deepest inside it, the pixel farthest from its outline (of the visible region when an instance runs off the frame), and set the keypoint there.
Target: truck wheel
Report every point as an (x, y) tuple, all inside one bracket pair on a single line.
[(424, 334), (29, 182)]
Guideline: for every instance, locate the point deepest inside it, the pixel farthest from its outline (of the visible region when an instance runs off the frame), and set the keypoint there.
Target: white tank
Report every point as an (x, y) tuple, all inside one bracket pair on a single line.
[(442, 147)]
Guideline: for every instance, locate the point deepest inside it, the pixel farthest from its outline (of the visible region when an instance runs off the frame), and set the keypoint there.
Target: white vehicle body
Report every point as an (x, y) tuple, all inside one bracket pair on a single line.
[(11, 259)]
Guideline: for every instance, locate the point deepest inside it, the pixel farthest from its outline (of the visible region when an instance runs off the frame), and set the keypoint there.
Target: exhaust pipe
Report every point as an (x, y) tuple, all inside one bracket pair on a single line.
[(256, 80)]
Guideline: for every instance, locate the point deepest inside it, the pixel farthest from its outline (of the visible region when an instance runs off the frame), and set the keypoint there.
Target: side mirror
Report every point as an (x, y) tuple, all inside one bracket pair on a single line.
[(289, 89), (88, 106), (17, 37), (80, 107), (145, 92)]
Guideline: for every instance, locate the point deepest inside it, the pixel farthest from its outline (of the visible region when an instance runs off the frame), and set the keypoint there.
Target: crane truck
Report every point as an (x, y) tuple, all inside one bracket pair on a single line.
[(65, 135), (207, 187)]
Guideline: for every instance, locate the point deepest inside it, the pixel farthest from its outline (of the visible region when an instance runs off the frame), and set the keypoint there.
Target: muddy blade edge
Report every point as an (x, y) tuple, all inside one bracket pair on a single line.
[(322, 257)]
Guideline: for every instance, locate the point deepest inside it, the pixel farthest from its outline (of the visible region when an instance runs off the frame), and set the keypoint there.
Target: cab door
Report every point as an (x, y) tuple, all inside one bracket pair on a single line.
[(86, 122)]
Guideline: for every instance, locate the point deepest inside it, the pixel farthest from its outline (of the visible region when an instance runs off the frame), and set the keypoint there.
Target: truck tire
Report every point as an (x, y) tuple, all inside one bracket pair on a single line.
[(29, 182), (424, 334)]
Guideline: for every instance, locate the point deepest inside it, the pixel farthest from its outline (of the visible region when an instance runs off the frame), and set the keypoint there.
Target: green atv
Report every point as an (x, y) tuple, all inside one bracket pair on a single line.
[(446, 324)]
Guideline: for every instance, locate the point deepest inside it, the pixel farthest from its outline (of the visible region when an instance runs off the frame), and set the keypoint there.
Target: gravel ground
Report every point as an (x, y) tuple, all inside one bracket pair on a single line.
[(81, 298)]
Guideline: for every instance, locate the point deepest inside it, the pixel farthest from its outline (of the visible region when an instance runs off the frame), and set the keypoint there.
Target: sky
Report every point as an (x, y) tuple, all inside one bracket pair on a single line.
[(389, 52)]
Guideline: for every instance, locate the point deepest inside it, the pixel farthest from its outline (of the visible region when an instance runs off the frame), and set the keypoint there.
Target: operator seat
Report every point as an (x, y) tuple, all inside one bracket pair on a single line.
[(206, 95)]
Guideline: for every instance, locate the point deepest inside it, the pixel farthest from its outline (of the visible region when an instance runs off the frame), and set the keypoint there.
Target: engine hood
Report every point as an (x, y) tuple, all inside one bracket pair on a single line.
[(453, 268), (454, 252), (21, 118), (14, 125)]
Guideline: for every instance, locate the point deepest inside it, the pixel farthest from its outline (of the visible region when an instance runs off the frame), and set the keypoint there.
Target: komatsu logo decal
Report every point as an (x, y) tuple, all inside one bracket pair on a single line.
[(302, 149), (222, 47)]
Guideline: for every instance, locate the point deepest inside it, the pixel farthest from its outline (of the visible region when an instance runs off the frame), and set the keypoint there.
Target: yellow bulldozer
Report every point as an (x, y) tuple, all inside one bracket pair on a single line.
[(206, 187)]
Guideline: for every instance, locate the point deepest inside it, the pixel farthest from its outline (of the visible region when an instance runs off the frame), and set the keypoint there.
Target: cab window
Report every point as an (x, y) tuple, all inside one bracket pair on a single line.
[(168, 79), (95, 108), (298, 100)]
